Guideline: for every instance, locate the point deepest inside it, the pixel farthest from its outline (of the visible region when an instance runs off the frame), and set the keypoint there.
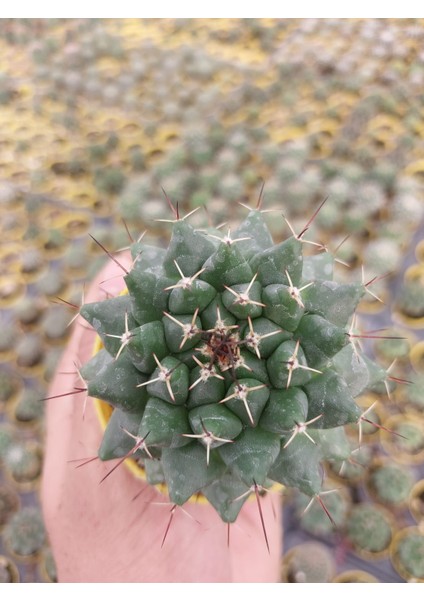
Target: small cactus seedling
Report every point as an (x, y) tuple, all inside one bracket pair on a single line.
[(407, 554), (390, 484), (309, 562), (314, 520), (410, 301), (231, 363), (369, 529), (23, 461), (25, 534)]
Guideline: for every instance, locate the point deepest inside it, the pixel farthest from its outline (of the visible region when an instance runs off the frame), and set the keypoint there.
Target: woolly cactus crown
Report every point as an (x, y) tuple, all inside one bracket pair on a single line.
[(230, 364)]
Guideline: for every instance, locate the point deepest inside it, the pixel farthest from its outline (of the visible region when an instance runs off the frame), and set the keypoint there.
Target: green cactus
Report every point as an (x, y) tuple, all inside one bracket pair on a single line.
[(229, 364), (25, 534), (23, 461), (408, 442), (354, 468), (407, 553), (410, 299), (312, 517), (28, 310), (369, 528), (390, 484), (309, 562), (413, 396), (29, 351)]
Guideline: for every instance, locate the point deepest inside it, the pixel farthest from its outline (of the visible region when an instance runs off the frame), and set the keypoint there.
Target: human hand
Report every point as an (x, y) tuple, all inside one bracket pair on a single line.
[(100, 533)]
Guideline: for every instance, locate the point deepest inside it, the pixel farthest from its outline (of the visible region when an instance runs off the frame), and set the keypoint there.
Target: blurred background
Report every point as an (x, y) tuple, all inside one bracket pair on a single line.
[(97, 116)]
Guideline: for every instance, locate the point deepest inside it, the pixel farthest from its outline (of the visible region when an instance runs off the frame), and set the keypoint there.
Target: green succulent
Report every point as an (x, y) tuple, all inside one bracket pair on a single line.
[(414, 394), (309, 562), (28, 408), (391, 484), (23, 460), (229, 364), (369, 528), (407, 553), (25, 534), (410, 300), (313, 518)]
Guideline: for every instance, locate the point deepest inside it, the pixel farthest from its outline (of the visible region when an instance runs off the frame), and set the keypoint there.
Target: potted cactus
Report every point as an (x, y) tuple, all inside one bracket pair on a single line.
[(24, 534), (369, 529), (308, 562), (389, 483), (407, 552), (355, 576), (227, 365)]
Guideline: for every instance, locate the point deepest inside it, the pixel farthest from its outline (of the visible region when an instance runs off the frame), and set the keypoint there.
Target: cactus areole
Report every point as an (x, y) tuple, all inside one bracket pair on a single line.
[(229, 364)]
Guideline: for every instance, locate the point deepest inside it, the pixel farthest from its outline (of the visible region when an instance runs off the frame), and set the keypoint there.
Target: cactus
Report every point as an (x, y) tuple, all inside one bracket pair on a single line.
[(390, 484), (28, 409), (407, 554), (25, 534), (313, 519), (54, 323), (355, 467), (230, 364), (410, 299), (23, 462), (29, 351), (28, 310), (408, 443), (369, 529), (308, 562), (414, 397)]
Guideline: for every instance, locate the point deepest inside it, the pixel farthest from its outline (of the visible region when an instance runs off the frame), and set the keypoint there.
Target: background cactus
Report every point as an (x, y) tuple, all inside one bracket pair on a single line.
[(407, 554), (310, 562), (25, 534), (369, 528), (390, 484), (230, 363)]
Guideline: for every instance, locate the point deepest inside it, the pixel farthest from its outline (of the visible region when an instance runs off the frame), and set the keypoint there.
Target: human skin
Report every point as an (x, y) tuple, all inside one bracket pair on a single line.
[(113, 531)]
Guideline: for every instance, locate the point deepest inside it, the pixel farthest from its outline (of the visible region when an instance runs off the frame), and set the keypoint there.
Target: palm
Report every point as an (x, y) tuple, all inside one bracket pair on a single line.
[(122, 530)]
